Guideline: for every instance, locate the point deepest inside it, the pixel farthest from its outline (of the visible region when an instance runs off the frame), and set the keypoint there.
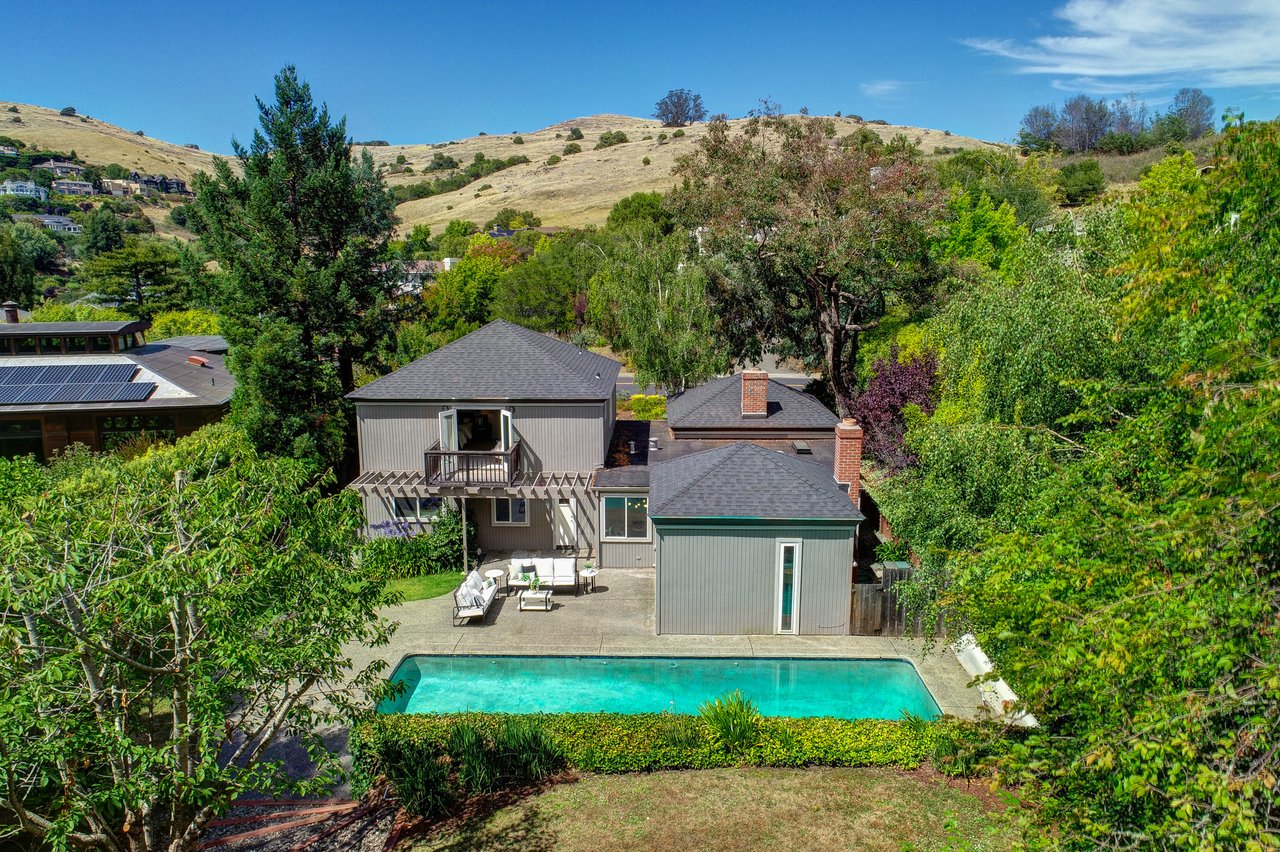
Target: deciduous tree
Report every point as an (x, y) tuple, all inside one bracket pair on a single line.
[(819, 240), (678, 108)]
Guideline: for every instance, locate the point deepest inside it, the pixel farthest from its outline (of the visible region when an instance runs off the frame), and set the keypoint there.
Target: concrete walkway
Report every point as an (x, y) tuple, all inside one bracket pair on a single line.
[(617, 620)]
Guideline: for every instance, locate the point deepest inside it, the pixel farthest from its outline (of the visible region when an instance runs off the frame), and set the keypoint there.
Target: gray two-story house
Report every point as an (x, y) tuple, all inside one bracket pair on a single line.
[(744, 502), (512, 421)]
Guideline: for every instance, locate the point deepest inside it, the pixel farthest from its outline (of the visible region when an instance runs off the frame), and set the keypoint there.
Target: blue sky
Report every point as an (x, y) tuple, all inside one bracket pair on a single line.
[(426, 72)]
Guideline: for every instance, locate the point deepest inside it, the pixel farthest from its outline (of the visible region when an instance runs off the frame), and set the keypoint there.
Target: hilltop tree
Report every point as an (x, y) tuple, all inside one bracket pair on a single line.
[(819, 240), (303, 238), (679, 107), (1082, 123), (1195, 108), (1037, 128)]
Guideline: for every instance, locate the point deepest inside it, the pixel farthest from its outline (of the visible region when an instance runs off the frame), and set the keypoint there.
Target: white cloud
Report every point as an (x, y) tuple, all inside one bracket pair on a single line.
[(882, 88), (1117, 45)]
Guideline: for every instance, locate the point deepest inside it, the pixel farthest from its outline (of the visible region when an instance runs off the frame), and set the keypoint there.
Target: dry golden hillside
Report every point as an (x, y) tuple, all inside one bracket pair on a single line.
[(581, 188), (99, 143)]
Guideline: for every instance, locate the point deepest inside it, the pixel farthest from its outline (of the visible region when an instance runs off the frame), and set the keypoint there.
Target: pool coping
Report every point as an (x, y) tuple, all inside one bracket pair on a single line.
[(951, 695)]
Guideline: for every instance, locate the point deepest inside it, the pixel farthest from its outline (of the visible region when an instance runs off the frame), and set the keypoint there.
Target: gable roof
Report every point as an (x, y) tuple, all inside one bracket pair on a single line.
[(743, 480), (499, 361), (718, 405)]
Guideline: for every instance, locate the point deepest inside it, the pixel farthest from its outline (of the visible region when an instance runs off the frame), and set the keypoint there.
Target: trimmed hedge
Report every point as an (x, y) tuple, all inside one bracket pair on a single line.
[(613, 743)]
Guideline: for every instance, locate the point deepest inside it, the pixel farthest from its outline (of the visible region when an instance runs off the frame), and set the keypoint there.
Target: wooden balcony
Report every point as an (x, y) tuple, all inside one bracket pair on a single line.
[(469, 467)]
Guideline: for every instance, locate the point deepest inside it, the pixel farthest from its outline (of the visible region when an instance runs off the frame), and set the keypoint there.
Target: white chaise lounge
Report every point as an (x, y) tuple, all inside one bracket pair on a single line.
[(473, 598)]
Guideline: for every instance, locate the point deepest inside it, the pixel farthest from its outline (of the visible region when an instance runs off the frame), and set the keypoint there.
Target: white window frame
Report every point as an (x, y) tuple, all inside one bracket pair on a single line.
[(648, 522), (493, 503), (798, 544)]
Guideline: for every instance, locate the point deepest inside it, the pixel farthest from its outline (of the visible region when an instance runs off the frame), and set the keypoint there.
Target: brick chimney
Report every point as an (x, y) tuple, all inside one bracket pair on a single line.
[(755, 393), (10, 312), (848, 468)]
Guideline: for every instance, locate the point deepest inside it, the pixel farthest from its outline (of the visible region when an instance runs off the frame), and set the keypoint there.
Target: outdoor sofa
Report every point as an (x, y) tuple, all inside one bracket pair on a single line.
[(552, 572), (473, 598)]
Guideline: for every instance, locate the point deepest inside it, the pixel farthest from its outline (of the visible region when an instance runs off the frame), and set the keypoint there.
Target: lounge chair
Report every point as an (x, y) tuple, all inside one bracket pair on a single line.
[(473, 598), (565, 573)]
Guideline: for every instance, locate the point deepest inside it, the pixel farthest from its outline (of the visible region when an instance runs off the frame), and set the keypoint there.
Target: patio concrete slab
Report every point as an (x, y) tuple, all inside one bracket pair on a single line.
[(617, 620)]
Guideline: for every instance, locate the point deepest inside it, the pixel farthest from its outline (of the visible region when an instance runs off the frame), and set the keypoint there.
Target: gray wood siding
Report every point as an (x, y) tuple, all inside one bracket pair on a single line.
[(568, 437), (723, 579), (614, 554)]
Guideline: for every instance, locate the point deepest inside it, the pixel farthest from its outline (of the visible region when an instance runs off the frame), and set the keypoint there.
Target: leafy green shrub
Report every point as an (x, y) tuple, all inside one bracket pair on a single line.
[(67, 111), (646, 161), (574, 134), (650, 407), (519, 140), (553, 159), (734, 721), (401, 159), (401, 551), (612, 742), (678, 133), (610, 138), (662, 137), (470, 752), (572, 148), (1082, 181), (484, 186), (179, 323), (525, 752)]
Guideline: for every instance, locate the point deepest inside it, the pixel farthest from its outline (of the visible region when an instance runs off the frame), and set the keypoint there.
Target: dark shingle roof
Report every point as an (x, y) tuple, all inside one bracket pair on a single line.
[(499, 361), (743, 480), (51, 329), (215, 343), (718, 404)]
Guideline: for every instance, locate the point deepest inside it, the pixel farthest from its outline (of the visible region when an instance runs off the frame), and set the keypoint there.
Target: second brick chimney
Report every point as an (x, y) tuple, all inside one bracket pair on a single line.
[(755, 393), (848, 467), (10, 312)]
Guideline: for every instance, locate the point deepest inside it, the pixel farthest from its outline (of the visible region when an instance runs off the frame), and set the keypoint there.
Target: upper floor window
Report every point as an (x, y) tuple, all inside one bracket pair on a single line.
[(626, 518), (510, 511)]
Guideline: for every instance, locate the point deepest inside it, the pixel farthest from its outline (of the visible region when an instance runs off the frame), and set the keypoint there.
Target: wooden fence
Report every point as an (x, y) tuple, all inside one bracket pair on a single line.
[(876, 608)]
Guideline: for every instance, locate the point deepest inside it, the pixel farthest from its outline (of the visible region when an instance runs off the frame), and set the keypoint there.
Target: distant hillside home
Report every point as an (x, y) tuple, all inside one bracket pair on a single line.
[(121, 187), (416, 274), (61, 224), (161, 183), (8, 151), (24, 188), (60, 168), (73, 187), (99, 384), (745, 506)]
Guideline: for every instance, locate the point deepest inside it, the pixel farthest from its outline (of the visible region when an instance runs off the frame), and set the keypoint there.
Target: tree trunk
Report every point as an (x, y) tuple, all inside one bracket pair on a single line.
[(350, 467), (840, 374)]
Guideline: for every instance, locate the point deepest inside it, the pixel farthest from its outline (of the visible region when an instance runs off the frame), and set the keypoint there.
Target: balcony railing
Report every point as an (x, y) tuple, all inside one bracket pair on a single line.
[(470, 467)]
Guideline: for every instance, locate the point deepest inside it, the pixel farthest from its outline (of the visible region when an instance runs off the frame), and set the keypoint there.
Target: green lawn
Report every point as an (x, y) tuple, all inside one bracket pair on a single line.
[(739, 809), (426, 586)]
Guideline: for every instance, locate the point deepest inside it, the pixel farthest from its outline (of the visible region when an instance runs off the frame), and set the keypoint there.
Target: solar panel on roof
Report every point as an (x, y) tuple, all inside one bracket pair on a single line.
[(134, 391), (36, 394), (90, 373), (19, 375), (118, 373), (54, 375), (9, 393), (68, 392)]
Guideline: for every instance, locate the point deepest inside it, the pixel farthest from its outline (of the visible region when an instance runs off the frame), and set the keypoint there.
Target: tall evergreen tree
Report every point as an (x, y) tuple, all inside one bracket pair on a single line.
[(303, 237)]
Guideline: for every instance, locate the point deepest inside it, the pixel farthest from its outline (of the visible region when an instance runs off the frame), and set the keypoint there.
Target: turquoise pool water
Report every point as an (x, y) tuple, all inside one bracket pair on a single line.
[(848, 689)]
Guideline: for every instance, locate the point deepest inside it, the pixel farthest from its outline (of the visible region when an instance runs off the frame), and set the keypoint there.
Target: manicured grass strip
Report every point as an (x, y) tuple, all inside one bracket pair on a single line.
[(739, 809), (426, 586)]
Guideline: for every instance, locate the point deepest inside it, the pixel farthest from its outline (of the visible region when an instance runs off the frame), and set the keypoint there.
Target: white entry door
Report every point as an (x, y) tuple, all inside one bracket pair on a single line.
[(788, 586), (567, 522)]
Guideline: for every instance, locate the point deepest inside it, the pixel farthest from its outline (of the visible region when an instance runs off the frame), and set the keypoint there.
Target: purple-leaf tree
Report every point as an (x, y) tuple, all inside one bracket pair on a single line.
[(895, 384)]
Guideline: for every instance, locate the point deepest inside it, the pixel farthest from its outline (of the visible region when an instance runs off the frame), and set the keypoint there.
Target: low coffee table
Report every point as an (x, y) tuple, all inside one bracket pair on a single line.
[(535, 599)]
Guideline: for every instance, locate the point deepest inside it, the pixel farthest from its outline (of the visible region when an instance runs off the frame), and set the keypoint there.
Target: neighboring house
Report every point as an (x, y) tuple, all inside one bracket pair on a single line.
[(61, 224), (743, 503), (8, 151), (160, 183), (25, 188), (73, 187), (60, 168), (98, 384), (416, 274), (121, 187)]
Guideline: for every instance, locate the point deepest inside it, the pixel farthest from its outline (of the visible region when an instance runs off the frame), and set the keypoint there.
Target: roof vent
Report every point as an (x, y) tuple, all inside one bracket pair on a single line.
[(197, 361)]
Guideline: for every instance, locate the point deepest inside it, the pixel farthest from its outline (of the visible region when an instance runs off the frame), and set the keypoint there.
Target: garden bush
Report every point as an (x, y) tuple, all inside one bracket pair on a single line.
[(574, 134), (516, 749), (405, 550), (553, 159), (678, 133), (572, 148), (734, 722), (647, 407)]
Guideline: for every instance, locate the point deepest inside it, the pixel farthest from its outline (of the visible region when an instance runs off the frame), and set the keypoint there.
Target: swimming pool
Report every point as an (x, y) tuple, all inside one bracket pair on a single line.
[(848, 689)]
